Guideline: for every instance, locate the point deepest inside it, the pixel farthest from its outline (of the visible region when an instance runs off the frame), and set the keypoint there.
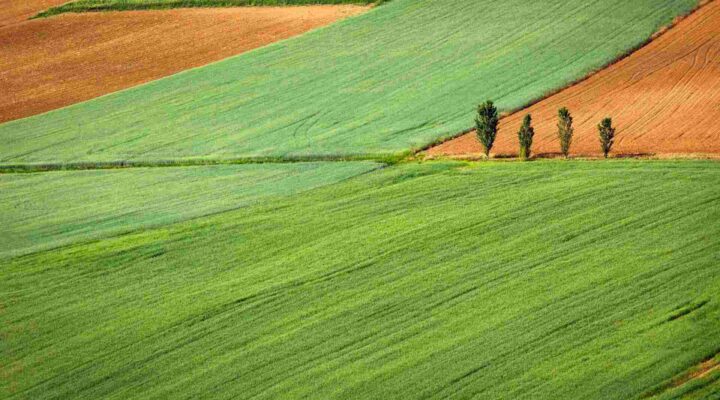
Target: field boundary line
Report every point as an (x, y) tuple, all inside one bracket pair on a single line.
[(659, 33), (387, 159)]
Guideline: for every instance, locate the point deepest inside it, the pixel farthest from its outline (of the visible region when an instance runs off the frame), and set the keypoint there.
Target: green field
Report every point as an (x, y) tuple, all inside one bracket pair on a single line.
[(191, 275), (398, 77), (45, 210), (124, 5), (550, 279)]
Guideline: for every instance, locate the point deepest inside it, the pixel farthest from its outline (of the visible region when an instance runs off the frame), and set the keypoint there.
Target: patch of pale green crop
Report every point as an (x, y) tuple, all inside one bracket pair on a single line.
[(50, 209), (397, 77), (562, 280)]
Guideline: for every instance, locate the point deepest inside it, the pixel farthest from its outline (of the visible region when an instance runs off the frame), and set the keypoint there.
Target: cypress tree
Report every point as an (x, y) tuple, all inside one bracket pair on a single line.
[(486, 123), (525, 137), (565, 130), (607, 135)]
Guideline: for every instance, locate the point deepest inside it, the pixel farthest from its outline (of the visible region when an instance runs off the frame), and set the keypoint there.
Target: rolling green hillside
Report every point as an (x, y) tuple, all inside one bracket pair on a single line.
[(122, 5), (57, 208), (563, 280), (400, 76)]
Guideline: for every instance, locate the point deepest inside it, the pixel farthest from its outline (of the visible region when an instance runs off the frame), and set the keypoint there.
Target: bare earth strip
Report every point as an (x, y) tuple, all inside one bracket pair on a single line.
[(665, 99), (51, 63)]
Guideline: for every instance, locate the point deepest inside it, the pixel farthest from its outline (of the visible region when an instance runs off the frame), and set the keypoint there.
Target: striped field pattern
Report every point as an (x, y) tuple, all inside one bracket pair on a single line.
[(563, 280), (401, 76), (45, 210)]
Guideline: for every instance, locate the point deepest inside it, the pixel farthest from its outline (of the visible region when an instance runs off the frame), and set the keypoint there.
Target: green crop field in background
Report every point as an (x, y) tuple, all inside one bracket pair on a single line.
[(49, 209), (399, 76), (122, 5), (563, 280)]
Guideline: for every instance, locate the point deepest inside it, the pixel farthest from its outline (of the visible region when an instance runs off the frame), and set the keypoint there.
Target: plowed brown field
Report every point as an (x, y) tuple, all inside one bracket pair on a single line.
[(50, 63), (14, 11), (664, 99)]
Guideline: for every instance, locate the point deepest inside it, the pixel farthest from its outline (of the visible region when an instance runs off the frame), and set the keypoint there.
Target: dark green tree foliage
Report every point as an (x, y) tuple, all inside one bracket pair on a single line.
[(607, 135), (487, 124), (525, 137), (565, 130)]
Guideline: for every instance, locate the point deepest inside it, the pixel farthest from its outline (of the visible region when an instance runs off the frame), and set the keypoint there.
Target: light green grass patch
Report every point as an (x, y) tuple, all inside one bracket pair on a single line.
[(397, 77), (49, 209), (552, 279)]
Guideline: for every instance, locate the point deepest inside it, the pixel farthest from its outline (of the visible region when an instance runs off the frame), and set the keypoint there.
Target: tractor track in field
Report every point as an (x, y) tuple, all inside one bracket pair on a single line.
[(663, 98)]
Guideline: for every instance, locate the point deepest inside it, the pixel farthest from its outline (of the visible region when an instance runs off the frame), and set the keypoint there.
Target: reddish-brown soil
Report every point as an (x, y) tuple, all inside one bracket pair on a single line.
[(14, 11), (664, 99), (54, 62)]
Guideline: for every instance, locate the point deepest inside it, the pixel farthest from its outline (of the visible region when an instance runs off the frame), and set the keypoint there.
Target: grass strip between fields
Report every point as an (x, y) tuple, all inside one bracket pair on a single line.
[(390, 159)]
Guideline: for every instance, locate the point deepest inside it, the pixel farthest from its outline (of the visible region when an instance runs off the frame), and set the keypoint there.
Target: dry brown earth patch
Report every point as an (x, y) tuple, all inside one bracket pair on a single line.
[(54, 62), (14, 11), (665, 99)]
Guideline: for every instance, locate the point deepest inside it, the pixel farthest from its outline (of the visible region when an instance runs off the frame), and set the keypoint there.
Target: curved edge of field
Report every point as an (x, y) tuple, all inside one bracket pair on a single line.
[(247, 131), (48, 64), (661, 98)]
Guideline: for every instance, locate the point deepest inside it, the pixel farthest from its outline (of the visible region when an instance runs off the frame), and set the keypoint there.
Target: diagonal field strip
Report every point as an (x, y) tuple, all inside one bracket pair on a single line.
[(42, 211), (46, 64), (550, 279), (699, 382), (662, 98), (400, 76)]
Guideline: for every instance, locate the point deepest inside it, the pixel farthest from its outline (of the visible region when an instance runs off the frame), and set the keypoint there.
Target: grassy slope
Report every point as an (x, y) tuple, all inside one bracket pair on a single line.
[(399, 76), (51, 209), (121, 5), (502, 280)]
